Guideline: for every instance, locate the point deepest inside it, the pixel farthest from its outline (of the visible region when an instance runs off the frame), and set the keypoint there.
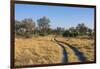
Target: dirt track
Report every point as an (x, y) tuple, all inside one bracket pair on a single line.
[(70, 53)]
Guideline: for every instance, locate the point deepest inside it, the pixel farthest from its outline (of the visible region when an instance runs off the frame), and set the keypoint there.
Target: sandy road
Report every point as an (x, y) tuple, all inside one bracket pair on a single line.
[(70, 53)]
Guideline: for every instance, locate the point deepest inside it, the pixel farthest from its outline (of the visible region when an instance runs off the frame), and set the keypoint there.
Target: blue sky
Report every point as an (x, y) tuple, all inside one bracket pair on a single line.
[(59, 16)]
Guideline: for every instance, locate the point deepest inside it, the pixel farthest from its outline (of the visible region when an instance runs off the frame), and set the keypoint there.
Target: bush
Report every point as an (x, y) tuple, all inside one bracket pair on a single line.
[(70, 34), (66, 34), (24, 34)]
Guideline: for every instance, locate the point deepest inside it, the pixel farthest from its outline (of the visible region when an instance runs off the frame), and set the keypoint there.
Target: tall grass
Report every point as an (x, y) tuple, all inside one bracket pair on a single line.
[(33, 51)]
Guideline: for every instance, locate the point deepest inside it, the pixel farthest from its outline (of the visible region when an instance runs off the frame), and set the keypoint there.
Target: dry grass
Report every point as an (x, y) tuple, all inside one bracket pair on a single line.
[(44, 50), (40, 50)]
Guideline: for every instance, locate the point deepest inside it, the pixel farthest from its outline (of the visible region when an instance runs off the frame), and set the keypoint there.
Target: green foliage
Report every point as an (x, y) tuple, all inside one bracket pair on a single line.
[(67, 33), (79, 30), (82, 29), (25, 27), (59, 30), (43, 25)]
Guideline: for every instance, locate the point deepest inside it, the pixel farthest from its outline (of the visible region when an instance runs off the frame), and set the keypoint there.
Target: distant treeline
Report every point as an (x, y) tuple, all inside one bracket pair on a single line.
[(27, 28)]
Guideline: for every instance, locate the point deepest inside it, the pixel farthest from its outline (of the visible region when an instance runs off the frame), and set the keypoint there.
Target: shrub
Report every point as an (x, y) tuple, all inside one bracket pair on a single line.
[(70, 34)]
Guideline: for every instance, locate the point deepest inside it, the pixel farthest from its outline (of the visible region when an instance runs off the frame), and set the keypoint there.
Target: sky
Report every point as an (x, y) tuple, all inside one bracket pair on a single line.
[(60, 16)]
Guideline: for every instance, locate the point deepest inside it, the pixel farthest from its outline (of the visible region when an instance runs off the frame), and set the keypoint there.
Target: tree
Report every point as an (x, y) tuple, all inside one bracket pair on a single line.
[(72, 29), (25, 27), (66, 33), (90, 33), (73, 32), (28, 24), (17, 25), (43, 24), (59, 30), (81, 29)]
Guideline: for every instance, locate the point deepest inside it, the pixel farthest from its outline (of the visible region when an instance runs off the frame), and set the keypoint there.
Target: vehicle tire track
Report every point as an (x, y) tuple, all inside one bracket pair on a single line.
[(77, 53), (71, 57), (64, 57)]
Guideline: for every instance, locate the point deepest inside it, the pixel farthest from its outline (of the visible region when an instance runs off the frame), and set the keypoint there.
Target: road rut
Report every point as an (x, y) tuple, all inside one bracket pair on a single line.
[(70, 53)]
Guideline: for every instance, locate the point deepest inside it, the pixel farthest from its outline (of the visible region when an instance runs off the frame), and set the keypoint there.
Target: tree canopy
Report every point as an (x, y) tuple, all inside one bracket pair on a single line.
[(27, 27)]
